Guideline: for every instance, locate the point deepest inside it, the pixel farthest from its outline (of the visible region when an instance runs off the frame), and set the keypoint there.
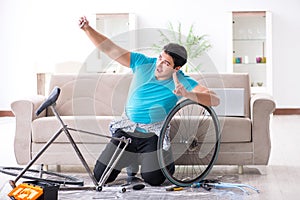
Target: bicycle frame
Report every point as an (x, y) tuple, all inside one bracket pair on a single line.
[(114, 160)]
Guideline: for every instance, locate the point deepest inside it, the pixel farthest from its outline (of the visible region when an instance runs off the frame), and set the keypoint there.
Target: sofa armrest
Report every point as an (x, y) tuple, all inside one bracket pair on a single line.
[(24, 111), (261, 107)]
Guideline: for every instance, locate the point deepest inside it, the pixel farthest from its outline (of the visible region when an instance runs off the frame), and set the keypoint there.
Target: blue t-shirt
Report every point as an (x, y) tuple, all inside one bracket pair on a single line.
[(150, 100)]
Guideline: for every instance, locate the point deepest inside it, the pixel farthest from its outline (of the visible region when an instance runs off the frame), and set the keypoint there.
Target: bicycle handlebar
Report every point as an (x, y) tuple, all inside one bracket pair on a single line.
[(49, 101)]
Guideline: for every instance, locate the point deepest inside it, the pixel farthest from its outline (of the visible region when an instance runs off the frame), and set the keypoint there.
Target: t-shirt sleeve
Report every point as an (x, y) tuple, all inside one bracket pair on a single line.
[(138, 59), (188, 82)]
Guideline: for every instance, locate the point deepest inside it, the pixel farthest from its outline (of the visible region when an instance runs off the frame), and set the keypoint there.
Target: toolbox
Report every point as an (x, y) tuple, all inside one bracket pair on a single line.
[(35, 190)]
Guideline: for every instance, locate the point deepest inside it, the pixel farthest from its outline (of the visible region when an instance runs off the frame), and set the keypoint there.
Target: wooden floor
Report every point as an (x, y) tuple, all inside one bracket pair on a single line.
[(279, 180)]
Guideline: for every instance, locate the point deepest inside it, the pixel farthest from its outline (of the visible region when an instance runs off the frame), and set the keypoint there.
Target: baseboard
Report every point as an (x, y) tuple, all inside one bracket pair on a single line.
[(6, 113), (287, 111)]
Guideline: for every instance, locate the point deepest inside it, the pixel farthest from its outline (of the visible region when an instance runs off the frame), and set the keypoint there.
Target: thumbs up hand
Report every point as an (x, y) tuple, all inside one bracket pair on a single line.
[(179, 88)]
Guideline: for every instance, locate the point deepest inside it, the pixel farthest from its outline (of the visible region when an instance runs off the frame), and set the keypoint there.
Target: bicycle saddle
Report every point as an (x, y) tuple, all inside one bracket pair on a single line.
[(49, 101)]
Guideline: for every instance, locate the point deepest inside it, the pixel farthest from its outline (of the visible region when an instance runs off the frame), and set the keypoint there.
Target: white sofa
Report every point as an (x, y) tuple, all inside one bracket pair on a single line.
[(90, 102)]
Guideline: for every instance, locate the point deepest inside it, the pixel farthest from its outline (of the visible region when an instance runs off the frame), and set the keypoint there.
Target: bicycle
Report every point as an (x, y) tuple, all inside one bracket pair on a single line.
[(186, 114)]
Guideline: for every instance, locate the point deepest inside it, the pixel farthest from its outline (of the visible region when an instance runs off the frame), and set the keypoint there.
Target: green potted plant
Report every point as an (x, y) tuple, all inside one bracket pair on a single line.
[(195, 45)]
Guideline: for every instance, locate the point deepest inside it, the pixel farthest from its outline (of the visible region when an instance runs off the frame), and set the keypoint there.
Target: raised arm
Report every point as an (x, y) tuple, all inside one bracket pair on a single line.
[(104, 44)]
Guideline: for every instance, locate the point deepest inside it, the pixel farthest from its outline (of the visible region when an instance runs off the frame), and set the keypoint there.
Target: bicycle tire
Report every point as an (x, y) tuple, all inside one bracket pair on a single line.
[(194, 135), (46, 176)]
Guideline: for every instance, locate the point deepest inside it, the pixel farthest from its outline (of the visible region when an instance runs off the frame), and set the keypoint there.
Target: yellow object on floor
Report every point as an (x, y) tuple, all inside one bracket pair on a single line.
[(26, 191)]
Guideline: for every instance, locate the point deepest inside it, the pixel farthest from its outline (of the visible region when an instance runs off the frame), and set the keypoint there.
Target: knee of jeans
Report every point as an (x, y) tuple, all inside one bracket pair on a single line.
[(153, 179), (100, 168)]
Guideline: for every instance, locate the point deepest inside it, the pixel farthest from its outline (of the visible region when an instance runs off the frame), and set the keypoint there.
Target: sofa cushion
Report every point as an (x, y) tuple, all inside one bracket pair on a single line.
[(91, 94), (44, 128), (64, 154), (235, 129)]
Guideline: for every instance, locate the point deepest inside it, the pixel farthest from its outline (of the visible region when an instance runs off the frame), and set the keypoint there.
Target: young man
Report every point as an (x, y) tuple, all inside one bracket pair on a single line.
[(157, 85)]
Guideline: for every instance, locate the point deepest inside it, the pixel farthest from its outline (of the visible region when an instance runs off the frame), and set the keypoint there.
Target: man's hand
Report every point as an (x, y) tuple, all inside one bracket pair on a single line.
[(83, 22), (199, 94), (179, 88)]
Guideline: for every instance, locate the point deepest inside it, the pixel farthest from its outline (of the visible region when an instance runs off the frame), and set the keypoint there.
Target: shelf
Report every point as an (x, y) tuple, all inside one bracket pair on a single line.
[(249, 63), (257, 73), (247, 40)]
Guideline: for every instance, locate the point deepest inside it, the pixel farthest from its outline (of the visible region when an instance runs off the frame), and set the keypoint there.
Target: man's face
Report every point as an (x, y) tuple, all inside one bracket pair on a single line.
[(164, 66)]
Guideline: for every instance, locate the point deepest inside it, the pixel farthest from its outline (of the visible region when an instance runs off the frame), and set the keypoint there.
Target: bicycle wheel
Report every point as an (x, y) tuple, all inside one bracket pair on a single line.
[(193, 132), (41, 175)]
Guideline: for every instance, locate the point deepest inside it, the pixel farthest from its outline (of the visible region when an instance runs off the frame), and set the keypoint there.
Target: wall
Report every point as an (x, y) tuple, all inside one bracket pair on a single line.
[(36, 35)]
